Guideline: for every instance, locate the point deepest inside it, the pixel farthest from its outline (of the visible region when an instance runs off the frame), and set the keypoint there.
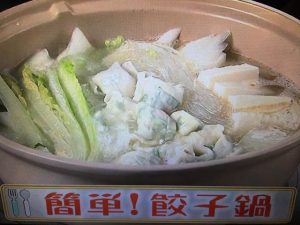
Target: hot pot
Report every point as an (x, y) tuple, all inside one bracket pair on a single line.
[(264, 34)]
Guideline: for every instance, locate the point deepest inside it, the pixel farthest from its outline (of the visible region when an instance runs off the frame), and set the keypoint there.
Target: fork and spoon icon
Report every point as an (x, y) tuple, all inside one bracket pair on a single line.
[(25, 195)]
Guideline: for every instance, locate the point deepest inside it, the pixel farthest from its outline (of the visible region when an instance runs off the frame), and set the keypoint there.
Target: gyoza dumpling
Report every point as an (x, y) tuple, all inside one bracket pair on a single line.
[(115, 79), (130, 68), (210, 134), (185, 150), (140, 157), (114, 137), (120, 108), (223, 147), (197, 146), (154, 124), (115, 126), (186, 123), (157, 93), (177, 153)]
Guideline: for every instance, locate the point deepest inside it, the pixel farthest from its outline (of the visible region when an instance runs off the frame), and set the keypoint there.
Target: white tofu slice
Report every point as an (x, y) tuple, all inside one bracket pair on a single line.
[(226, 74), (78, 44), (242, 122), (205, 53), (40, 61), (246, 87), (186, 123), (169, 38), (157, 93), (286, 119), (258, 103), (115, 79)]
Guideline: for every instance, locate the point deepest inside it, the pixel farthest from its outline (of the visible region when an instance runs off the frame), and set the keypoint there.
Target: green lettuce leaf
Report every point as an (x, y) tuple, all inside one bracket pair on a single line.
[(21, 123), (114, 43), (50, 118), (79, 105), (82, 148)]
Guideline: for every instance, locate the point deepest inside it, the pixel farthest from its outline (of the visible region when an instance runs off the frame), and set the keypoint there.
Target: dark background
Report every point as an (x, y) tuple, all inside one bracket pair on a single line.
[(289, 6)]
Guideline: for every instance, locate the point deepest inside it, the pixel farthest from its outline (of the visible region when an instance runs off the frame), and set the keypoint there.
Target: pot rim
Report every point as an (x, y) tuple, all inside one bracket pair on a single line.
[(270, 8), (48, 159), (34, 3)]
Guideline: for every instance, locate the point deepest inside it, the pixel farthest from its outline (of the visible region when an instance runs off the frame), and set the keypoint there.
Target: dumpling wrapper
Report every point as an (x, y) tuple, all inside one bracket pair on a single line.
[(223, 147), (115, 126), (143, 157), (115, 79), (195, 147), (130, 68), (154, 124), (186, 123), (157, 93)]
